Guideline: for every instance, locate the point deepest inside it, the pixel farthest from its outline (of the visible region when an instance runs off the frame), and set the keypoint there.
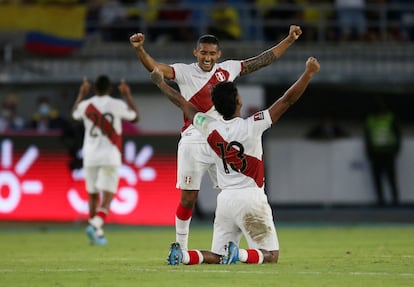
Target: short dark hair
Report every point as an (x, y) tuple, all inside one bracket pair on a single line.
[(102, 84), (208, 39), (224, 96)]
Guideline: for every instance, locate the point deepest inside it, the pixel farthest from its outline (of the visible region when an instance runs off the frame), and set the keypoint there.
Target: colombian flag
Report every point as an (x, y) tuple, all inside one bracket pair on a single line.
[(55, 30)]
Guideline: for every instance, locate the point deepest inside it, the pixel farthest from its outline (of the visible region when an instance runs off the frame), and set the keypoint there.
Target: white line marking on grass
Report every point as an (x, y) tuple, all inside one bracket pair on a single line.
[(274, 272), (182, 269), (48, 270), (397, 256), (70, 270)]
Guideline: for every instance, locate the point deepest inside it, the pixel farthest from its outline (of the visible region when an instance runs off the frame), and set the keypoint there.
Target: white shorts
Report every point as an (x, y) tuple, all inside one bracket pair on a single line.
[(101, 178), (244, 212), (193, 160)]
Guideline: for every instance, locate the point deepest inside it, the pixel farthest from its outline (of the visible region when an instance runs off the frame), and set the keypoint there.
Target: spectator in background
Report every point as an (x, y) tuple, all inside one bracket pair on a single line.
[(351, 19), (9, 120), (382, 142), (275, 14), (374, 16), (401, 16), (225, 21), (47, 118), (93, 16), (327, 129), (113, 20), (173, 23), (312, 16)]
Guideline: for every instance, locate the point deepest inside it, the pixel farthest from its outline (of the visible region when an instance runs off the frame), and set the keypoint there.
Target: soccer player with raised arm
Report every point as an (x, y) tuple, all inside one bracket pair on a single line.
[(102, 117), (236, 148), (195, 82)]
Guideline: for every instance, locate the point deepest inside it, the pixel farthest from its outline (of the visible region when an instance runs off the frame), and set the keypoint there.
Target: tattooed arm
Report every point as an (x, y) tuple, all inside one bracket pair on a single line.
[(271, 55), (173, 95)]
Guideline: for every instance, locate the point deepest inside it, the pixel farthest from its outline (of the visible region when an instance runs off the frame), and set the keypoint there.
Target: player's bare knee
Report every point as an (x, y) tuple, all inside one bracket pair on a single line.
[(189, 198)]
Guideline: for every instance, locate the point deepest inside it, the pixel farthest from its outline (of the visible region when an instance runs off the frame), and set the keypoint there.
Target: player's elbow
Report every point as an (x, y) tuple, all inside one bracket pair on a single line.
[(136, 119)]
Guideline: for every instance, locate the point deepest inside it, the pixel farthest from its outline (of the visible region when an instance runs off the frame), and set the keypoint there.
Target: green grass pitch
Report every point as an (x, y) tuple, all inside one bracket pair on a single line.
[(310, 255)]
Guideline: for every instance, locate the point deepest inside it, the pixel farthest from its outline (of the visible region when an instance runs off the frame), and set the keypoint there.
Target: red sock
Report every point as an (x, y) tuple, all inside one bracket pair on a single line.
[(253, 256), (101, 214), (183, 213), (195, 257)]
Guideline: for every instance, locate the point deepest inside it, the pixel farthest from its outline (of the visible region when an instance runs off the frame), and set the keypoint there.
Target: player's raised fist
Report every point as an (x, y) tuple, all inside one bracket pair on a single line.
[(312, 65), (294, 32), (137, 40)]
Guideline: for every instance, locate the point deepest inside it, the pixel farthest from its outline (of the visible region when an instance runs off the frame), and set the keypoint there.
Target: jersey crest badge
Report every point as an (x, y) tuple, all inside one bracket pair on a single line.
[(187, 179), (258, 116), (220, 76)]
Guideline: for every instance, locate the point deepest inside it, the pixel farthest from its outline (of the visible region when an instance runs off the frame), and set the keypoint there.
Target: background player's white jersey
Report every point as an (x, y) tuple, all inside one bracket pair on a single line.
[(196, 85), (102, 117), (237, 148)]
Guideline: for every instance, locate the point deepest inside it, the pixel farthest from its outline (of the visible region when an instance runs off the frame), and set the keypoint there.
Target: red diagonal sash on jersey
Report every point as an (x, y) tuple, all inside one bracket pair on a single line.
[(202, 99), (104, 125), (254, 168)]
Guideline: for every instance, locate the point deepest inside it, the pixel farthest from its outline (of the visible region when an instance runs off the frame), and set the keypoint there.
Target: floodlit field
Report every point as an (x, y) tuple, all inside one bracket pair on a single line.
[(319, 255)]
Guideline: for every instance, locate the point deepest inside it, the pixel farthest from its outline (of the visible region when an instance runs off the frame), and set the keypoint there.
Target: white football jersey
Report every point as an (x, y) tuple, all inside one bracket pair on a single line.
[(196, 85), (102, 117), (237, 146)]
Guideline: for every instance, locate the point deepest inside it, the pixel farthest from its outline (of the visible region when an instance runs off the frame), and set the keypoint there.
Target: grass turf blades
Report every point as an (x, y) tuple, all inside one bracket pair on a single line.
[(60, 255)]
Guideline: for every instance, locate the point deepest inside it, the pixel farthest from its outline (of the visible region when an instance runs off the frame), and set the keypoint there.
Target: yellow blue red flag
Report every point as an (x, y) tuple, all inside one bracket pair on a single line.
[(50, 29)]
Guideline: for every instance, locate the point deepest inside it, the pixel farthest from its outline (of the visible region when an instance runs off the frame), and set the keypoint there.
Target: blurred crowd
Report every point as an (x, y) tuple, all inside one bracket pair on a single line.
[(45, 118), (184, 20)]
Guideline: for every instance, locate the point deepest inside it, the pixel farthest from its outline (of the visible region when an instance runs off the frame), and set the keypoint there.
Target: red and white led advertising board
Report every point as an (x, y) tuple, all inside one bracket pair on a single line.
[(40, 182)]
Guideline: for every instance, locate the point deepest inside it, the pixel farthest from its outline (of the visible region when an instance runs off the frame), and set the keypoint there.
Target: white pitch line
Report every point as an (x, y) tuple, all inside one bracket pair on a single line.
[(396, 256), (183, 269), (294, 273)]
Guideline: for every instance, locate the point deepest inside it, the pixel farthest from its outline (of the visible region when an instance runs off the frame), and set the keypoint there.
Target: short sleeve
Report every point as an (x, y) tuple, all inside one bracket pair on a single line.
[(259, 122), (77, 114), (202, 122), (127, 113), (179, 72)]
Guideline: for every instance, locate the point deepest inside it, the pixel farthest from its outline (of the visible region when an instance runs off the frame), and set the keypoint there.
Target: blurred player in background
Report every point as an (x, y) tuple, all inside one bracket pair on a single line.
[(195, 82), (102, 117), (236, 147)]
